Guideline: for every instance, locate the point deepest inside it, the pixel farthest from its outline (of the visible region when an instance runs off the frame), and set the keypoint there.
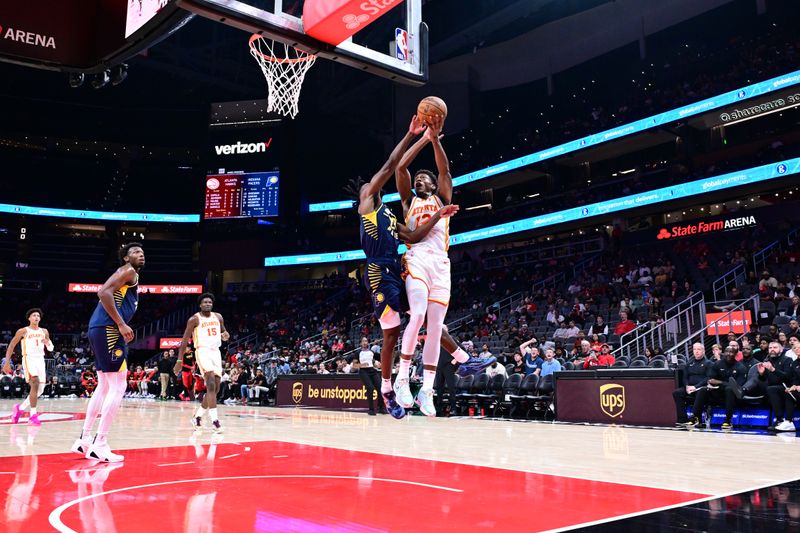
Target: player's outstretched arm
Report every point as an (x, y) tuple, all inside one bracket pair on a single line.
[(123, 276), (403, 176), (224, 332), (191, 324), (382, 176), (434, 135), (415, 236), (10, 350)]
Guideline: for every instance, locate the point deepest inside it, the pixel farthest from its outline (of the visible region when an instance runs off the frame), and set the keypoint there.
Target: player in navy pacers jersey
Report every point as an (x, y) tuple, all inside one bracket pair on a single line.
[(380, 238), (109, 335)]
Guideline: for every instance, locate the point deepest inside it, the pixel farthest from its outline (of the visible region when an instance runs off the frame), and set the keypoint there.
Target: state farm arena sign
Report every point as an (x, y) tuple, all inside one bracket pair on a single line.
[(703, 227), (142, 289)]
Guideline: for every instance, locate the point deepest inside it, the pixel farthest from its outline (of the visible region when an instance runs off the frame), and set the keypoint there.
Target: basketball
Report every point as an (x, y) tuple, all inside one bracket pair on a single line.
[(429, 107)]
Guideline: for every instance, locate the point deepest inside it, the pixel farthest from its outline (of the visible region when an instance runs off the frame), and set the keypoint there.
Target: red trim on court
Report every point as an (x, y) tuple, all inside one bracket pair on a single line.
[(45, 417), (277, 486)]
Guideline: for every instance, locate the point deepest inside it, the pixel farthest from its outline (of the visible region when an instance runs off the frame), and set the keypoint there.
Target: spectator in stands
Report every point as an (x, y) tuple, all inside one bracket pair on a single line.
[(496, 369), (533, 363), (794, 308), (519, 364), (719, 377), (716, 352), (561, 332), (599, 327), (775, 371), (88, 382), (259, 386), (596, 343), (322, 369), (762, 351), (572, 330), (485, 351), (550, 364), (731, 302), (793, 329), (767, 280), (625, 325), (696, 375), (243, 382), (784, 397)]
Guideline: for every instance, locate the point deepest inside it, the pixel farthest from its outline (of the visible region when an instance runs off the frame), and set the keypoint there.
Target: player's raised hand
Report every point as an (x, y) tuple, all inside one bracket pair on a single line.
[(448, 210), (417, 126), (434, 132)]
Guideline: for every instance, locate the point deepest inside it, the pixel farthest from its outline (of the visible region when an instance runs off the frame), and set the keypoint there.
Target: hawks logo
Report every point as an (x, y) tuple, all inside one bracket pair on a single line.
[(297, 392), (612, 399)]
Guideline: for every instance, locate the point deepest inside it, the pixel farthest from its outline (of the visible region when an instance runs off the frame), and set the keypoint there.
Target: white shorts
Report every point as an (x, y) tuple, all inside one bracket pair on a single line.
[(431, 268), (34, 366), (209, 360)]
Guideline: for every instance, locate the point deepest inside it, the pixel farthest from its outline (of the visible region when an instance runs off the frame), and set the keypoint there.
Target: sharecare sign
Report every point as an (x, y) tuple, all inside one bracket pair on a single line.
[(735, 322), (701, 227), (143, 289), (167, 343), (333, 21)]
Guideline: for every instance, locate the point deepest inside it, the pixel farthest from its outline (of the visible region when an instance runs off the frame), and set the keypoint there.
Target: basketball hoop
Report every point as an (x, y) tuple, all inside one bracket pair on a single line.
[(284, 73)]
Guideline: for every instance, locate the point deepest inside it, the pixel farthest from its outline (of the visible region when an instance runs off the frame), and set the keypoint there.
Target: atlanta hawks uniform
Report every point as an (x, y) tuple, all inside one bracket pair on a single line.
[(427, 260), (207, 338), (33, 344)]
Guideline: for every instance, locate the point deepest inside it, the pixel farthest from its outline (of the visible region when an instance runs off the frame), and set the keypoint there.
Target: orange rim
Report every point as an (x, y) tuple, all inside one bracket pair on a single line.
[(273, 59)]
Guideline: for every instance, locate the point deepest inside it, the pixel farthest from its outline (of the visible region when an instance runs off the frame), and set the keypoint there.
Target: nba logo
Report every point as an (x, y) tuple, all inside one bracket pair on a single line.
[(401, 44)]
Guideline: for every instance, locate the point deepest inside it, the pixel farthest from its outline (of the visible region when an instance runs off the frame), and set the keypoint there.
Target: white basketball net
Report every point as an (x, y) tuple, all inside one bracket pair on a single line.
[(284, 71)]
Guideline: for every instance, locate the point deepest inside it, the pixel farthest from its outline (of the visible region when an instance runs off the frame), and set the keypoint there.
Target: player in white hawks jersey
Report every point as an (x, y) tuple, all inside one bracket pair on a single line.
[(426, 265), (33, 341), (207, 331)]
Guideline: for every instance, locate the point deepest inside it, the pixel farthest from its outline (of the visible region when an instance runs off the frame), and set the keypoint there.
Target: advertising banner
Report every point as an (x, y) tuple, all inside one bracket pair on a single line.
[(328, 391)]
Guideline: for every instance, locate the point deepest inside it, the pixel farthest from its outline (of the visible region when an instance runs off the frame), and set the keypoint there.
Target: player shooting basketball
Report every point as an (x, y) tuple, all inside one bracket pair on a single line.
[(427, 270), (380, 238)]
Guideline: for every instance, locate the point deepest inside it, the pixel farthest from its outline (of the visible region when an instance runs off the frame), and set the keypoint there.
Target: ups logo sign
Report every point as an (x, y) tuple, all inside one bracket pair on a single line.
[(297, 392), (612, 399)]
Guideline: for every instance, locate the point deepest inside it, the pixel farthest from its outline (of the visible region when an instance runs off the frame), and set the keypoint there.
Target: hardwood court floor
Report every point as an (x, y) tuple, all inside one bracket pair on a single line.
[(304, 470)]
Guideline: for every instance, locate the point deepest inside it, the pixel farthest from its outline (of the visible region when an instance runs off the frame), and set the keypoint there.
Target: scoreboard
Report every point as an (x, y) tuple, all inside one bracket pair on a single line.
[(242, 195)]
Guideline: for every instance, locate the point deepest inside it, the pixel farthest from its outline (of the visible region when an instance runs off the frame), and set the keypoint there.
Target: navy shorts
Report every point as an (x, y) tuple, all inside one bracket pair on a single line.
[(386, 288), (110, 349)]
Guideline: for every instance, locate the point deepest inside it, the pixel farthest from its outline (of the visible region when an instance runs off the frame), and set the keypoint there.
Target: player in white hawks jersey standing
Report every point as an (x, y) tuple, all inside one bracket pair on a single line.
[(426, 265), (207, 331), (33, 341)]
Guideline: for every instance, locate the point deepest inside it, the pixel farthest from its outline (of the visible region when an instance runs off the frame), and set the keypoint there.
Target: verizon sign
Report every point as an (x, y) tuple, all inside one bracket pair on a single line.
[(702, 227), (242, 148), (142, 289)]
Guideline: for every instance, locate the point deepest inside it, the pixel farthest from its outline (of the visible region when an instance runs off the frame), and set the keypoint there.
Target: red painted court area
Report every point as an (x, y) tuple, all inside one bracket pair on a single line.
[(277, 486)]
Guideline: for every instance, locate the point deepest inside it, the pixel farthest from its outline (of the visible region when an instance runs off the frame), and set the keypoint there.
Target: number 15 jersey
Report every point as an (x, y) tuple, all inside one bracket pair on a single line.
[(208, 332)]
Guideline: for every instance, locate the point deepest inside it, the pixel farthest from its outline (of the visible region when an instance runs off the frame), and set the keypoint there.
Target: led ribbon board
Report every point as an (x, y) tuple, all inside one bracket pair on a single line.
[(665, 194), (666, 117), (95, 215)]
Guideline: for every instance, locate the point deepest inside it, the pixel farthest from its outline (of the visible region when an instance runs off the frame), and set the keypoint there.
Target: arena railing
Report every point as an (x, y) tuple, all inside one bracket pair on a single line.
[(723, 284), (176, 320), (680, 321), (761, 258), (538, 252), (712, 332)]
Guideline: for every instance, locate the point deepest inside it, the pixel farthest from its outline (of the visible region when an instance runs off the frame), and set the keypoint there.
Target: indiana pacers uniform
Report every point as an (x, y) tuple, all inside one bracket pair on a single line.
[(110, 349), (33, 344), (207, 338), (382, 276), (427, 260)]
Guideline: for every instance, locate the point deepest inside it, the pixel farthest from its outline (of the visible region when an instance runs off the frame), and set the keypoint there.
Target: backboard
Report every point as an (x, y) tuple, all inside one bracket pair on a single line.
[(394, 46)]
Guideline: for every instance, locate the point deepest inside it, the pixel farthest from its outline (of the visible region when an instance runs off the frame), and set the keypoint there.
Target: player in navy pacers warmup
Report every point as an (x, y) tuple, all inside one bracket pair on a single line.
[(380, 238), (109, 335)]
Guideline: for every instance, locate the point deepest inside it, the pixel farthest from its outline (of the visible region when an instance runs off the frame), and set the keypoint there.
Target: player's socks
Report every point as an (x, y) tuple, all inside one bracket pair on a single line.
[(405, 368), (201, 411), (212, 413), (386, 385), (460, 355), (24, 406), (428, 377), (33, 411)]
